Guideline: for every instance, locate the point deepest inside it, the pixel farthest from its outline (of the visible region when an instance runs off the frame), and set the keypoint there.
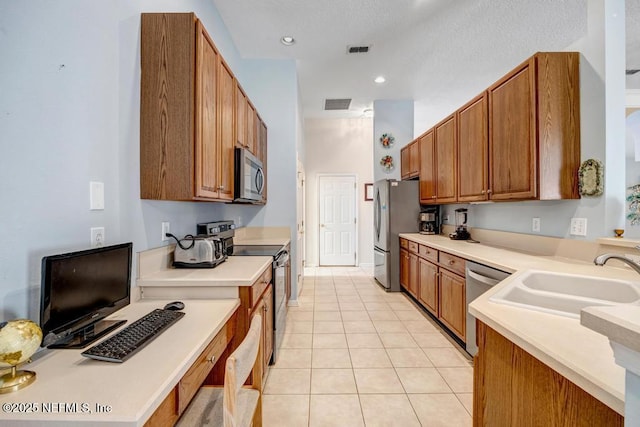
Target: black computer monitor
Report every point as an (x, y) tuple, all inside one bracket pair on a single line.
[(79, 289)]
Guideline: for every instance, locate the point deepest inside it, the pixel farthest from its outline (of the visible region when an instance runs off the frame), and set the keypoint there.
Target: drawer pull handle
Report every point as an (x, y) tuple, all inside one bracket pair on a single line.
[(451, 262), (211, 359)]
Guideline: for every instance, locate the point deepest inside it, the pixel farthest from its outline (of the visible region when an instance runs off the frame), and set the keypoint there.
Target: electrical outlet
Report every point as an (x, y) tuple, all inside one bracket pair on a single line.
[(535, 224), (578, 227), (165, 229), (97, 236)]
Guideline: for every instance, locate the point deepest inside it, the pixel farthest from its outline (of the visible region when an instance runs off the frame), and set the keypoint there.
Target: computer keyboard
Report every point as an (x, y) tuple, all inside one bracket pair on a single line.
[(134, 337)]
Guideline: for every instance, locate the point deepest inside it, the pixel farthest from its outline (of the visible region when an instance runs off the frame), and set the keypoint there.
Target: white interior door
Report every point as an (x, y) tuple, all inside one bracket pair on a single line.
[(337, 220)]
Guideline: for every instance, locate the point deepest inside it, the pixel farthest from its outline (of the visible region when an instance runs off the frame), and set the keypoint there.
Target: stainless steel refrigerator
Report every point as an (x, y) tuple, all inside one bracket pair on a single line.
[(396, 208)]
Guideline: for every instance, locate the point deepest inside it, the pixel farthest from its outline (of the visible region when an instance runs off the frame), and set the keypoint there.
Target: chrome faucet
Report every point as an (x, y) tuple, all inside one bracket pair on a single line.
[(602, 259)]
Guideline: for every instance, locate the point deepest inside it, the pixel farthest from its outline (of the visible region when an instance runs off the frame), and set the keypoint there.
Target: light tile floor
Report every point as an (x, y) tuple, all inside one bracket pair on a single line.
[(355, 355)]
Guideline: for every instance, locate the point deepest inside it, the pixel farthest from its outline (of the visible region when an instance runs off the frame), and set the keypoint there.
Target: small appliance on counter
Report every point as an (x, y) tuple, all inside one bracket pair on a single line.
[(461, 232), (223, 230), (428, 220), (198, 251)]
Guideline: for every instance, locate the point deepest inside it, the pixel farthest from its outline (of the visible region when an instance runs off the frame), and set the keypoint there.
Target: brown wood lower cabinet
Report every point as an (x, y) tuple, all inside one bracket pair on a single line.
[(428, 286), (453, 309), (513, 388), (436, 279), (258, 299), (404, 268), (179, 397), (409, 272), (413, 275)]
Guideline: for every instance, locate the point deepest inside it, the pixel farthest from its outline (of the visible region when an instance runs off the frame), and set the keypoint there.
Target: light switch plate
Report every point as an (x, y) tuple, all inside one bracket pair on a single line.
[(96, 196), (578, 227)]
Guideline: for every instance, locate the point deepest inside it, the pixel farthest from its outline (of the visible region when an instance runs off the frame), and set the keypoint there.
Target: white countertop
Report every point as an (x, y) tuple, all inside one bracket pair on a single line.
[(279, 241), (133, 389), (262, 236), (578, 353), (235, 271), (619, 323)]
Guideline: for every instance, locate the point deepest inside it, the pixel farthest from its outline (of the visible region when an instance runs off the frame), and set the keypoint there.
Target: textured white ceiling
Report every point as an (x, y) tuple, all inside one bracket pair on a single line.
[(433, 51)]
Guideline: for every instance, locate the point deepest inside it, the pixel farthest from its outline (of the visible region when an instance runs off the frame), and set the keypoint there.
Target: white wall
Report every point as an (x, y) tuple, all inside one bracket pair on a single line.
[(338, 146), (393, 117), (69, 114)]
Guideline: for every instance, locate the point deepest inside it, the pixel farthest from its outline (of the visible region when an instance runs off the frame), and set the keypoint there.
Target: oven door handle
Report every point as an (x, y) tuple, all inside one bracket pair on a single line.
[(282, 258)]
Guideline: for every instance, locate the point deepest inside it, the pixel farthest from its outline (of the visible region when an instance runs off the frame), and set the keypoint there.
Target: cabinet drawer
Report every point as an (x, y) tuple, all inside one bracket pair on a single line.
[(193, 379), (413, 247), (259, 286), (453, 263), (428, 253), (404, 243)]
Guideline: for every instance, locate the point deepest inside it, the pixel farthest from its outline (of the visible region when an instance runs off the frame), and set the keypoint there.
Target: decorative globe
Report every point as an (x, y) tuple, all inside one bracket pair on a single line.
[(19, 340)]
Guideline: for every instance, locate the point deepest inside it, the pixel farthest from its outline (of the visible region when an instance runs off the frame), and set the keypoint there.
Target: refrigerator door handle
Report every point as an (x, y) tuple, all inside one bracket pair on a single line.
[(377, 215)]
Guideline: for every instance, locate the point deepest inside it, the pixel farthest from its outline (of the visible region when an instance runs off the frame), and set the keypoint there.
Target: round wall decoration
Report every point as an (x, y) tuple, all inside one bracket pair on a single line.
[(387, 140), (590, 178), (386, 162)]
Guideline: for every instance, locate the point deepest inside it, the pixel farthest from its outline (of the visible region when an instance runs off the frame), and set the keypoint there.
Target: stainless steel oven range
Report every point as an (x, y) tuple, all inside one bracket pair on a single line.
[(279, 268)]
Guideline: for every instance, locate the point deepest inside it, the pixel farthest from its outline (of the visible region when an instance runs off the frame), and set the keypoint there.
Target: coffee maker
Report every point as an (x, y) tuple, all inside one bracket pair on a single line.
[(461, 232), (428, 220)]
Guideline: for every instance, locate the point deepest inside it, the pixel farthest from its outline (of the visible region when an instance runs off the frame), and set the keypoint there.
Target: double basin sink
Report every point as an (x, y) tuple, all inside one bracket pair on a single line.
[(565, 294)]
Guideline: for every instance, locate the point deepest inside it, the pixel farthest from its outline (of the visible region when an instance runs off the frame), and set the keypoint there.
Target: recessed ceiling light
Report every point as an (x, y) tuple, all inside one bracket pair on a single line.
[(287, 40), (380, 79)]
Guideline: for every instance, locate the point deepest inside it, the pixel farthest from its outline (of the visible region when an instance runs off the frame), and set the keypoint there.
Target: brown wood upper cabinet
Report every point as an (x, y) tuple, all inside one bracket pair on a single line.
[(180, 104), (252, 129), (247, 122), (519, 140), (427, 168), (534, 130), (226, 108), (193, 113), (261, 153), (241, 117), (410, 160), (473, 150), (438, 160)]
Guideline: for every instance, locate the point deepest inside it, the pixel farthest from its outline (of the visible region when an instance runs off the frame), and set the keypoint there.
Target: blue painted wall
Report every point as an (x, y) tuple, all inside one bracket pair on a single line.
[(69, 114)]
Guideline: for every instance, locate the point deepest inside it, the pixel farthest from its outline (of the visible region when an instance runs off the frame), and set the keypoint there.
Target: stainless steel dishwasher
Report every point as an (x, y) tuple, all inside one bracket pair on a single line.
[(480, 279)]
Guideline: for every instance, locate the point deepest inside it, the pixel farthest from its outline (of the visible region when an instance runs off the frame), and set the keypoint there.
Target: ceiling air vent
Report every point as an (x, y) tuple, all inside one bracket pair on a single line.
[(632, 72), (358, 49), (337, 104)]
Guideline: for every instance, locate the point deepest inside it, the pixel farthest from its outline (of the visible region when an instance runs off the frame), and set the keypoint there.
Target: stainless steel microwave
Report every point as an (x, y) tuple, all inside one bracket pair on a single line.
[(249, 177)]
